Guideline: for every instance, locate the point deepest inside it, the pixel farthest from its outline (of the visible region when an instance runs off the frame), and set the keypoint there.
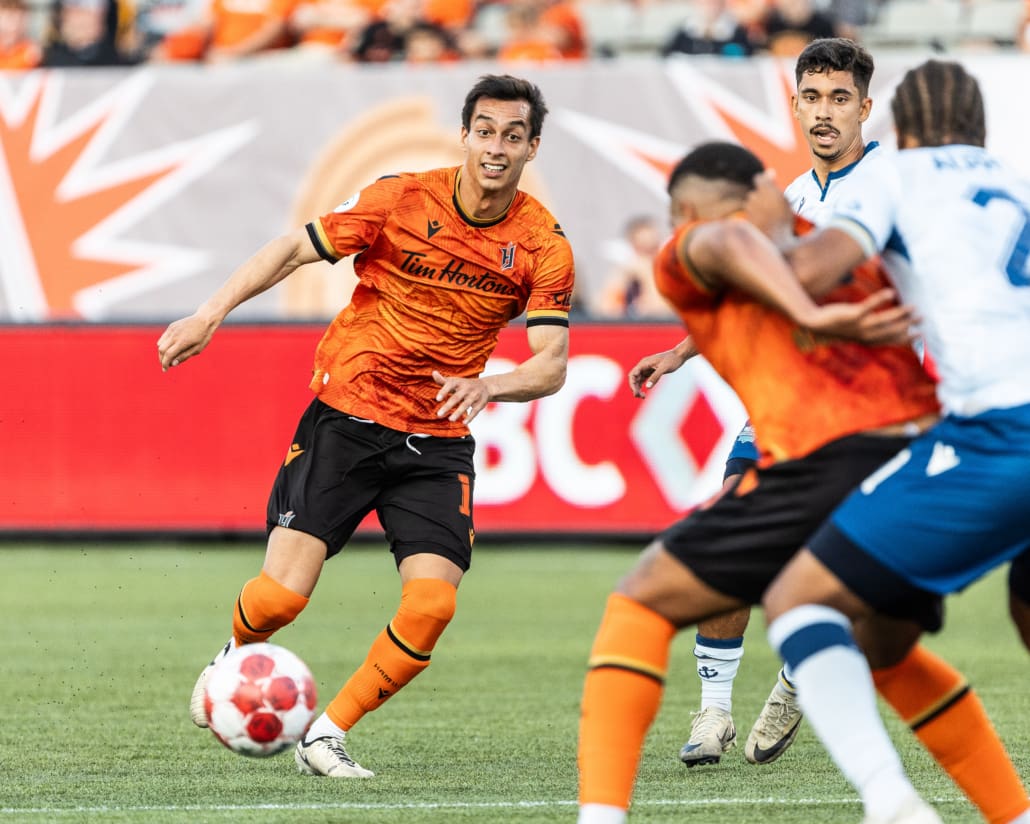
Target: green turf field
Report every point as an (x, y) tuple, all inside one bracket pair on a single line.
[(104, 642)]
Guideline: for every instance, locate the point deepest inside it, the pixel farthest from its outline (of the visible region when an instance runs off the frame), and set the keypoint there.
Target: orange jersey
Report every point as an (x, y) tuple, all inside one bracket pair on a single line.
[(237, 20), (435, 287), (800, 391), (23, 55)]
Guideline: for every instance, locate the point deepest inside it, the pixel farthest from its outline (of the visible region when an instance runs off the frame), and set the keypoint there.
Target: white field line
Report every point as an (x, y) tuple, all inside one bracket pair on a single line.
[(439, 805)]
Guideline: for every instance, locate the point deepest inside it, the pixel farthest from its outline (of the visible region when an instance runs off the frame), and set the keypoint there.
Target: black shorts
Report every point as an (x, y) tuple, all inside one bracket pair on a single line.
[(340, 468), (747, 536)]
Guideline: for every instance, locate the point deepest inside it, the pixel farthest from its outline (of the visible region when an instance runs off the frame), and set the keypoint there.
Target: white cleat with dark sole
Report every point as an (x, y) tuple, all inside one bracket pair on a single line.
[(711, 734), (198, 713), (776, 727), (326, 756)]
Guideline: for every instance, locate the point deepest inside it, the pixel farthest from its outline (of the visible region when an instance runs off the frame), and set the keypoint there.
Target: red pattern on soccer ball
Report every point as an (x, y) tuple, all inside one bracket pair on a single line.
[(260, 699)]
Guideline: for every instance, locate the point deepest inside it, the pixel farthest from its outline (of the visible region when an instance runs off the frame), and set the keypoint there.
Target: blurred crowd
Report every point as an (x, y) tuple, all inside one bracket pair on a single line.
[(125, 32)]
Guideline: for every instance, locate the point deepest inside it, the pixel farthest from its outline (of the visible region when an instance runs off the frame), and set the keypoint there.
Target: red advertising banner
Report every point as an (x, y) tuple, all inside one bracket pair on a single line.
[(94, 437)]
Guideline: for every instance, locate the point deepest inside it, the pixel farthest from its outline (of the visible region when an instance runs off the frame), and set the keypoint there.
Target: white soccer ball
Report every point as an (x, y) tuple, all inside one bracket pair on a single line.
[(260, 699)]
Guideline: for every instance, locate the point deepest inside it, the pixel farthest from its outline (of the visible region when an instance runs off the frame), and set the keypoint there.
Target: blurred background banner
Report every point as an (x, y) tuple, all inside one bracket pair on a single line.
[(95, 437), (129, 194)]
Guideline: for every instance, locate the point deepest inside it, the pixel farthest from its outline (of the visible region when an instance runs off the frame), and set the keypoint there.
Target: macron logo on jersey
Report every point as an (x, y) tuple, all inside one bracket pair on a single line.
[(941, 460), (433, 227)]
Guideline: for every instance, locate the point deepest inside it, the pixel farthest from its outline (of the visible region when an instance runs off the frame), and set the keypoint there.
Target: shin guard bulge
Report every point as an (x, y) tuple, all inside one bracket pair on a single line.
[(621, 696), (264, 606), (399, 652), (933, 698)]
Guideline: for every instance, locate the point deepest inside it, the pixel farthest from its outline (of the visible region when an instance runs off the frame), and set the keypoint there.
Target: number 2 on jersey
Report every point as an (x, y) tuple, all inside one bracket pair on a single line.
[(1016, 265)]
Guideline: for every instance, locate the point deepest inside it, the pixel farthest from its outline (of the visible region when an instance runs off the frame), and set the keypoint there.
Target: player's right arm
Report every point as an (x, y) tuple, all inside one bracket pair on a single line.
[(272, 263), (650, 368), (735, 253)]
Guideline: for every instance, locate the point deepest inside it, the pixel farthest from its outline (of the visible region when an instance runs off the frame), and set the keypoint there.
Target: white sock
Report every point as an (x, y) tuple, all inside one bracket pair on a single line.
[(837, 696), (601, 814), (321, 727), (1022, 818), (717, 663)]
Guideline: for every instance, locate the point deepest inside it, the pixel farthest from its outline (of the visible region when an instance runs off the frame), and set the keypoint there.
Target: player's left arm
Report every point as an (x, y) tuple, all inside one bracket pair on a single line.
[(543, 373), (547, 331)]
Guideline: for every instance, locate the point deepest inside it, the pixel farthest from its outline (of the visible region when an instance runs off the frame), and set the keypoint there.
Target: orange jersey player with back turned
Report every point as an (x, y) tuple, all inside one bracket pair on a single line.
[(444, 260), (828, 413)]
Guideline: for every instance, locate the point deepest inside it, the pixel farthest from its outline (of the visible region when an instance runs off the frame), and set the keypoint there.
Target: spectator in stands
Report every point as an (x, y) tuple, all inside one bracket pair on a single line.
[(386, 39), (715, 29), (850, 16), (563, 21), (328, 27), (752, 15), (429, 43), (793, 24), (157, 19), (630, 291), (17, 48), (91, 33), (543, 30), (528, 39), (231, 30)]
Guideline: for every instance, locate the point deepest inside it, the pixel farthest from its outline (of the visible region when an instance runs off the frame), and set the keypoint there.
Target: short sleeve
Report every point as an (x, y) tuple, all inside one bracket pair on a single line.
[(550, 296), (355, 224), (868, 212)]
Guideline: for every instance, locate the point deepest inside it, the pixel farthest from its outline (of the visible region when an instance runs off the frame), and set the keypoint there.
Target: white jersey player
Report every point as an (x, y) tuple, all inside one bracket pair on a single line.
[(952, 505), (816, 201)]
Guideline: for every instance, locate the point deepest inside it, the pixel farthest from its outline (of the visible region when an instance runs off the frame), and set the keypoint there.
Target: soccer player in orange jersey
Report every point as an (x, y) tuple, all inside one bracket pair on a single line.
[(447, 258), (828, 412)]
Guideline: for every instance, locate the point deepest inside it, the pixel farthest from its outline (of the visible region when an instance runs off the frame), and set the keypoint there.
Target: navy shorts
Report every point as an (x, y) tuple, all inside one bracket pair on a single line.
[(340, 468), (943, 512)]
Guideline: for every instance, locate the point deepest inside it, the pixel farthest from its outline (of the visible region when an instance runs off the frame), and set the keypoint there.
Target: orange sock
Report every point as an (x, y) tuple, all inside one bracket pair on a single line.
[(399, 652), (264, 605), (621, 696), (933, 698)]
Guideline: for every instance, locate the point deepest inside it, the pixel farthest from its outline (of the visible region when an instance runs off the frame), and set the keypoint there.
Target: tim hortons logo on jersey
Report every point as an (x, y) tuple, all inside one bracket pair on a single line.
[(508, 256), (415, 263)]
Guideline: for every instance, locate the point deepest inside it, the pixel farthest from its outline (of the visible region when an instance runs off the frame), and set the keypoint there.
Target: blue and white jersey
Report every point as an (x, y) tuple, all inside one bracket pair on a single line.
[(815, 202), (953, 226)]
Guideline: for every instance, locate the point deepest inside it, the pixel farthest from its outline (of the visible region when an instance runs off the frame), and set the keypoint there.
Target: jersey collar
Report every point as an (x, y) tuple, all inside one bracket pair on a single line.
[(469, 219), (844, 172)]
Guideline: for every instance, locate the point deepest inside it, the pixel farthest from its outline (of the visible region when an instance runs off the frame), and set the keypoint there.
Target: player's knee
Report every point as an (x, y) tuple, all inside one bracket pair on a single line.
[(427, 607)]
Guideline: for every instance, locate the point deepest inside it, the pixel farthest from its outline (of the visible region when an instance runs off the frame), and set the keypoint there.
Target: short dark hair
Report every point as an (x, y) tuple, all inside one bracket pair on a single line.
[(836, 54), (506, 87), (718, 160), (939, 103)]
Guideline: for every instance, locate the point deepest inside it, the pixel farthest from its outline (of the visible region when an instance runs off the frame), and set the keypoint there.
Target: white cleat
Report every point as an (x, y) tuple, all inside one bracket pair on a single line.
[(711, 734), (776, 727), (914, 811), (327, 756), (198, 713)]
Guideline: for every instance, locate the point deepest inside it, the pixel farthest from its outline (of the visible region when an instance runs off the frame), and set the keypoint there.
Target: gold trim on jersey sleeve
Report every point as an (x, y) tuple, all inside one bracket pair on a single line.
[(543, 317), (320, 240)]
